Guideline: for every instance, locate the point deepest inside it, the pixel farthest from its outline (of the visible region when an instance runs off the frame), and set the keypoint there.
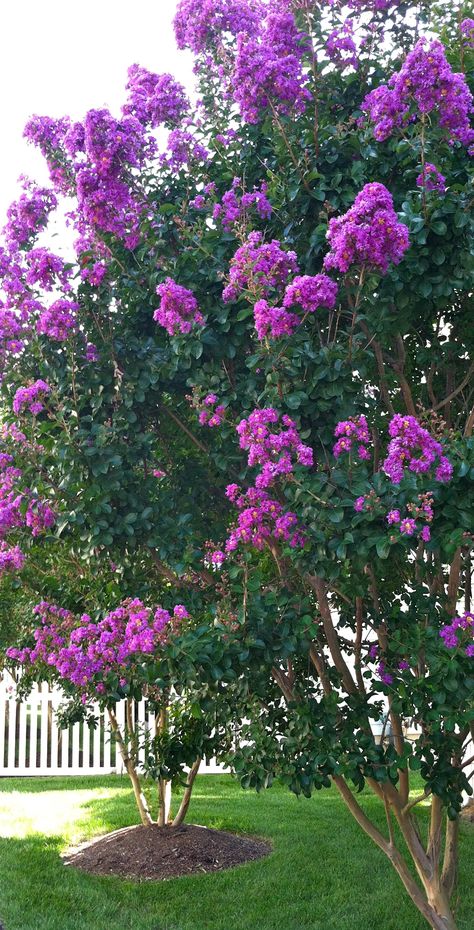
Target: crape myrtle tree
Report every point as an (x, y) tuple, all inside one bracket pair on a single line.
[(100, 660), (253, 383)]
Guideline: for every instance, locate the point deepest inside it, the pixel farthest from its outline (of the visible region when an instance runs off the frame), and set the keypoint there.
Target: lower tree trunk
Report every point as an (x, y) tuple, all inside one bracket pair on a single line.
[(164, 801), (183, 807), (430, 898), (132, 773)]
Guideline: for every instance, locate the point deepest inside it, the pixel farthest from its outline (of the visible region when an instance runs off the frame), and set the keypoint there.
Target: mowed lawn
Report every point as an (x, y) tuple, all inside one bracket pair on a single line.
[(323, 874)]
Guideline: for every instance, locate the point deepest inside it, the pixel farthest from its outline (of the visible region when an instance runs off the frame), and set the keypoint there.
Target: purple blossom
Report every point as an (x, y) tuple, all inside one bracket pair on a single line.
[(411, 445), (178, 310), (384, 676), (273, 322), (350, 432), (91, 353), (407, 526), (12, 559), (59, 320), (431, 179), (425, 84), (259, 266), (231, 210), (155, 98), (359, 504), (31, 398), (393, 516), (311, 292), (369, 234), (456, 632), (274, 451), (467, 33), (341, 47), (198, 23), (268, 70)]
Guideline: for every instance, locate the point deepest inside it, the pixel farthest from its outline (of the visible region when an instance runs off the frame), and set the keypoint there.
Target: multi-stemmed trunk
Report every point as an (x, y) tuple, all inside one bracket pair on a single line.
[(128, 747)]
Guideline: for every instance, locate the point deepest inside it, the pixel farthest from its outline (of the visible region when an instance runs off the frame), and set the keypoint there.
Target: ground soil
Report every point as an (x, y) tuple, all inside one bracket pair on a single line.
[(154, 852)]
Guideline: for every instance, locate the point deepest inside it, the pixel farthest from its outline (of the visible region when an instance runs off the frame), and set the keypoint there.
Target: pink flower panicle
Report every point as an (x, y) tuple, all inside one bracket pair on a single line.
[(268, 69), (467, 33), (233, 206), (178, 310), (12, 559), (412, 446), (276, 452), (311, 293), (424, 85), (457, 632), (86, 653), (369, 234), (31, 398), (155, 98), (59, 320), (260, 267), (431, 179), (212, 413), (350, 433), (260, 521), (341, 47)]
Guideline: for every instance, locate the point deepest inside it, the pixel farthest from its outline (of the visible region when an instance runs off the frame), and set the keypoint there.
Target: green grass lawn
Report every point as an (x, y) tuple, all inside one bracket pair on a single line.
[(323, 873)]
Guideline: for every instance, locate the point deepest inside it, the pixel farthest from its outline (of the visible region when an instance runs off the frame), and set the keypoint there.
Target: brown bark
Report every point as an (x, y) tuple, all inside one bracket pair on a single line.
[(140, 799), (449, 874), (320, 590), (431, 899), (183, 807)]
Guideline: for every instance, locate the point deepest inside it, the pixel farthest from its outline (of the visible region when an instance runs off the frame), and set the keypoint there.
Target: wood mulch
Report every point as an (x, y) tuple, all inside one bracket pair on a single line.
[(147, 853)]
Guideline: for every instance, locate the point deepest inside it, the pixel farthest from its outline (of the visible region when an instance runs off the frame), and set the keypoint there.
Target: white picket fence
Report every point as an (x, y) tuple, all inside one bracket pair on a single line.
[(31, 742)]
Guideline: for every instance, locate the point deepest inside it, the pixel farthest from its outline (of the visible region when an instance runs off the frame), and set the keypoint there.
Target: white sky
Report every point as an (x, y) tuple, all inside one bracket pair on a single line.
[(59, 57)]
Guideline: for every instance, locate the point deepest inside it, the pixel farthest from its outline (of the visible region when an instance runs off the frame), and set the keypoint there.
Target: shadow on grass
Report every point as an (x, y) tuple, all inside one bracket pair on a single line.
[(323, 873)]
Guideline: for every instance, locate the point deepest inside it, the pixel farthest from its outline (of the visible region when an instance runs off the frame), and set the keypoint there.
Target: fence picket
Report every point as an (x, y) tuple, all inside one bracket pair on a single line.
[(31, 742), (2, 725)]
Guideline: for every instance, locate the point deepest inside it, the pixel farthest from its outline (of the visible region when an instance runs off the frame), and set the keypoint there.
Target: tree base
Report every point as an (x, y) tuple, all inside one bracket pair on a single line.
[(154, 853)]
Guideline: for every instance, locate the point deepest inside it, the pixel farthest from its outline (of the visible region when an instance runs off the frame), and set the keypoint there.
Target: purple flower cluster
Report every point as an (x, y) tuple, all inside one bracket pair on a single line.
[(431, 179), (48, 135), (369, 234), (39, 517), (233, 207), (29, 214), (45, 268), (31, 398), (178, 310), (311, 292), (155, 98), (268, 69), (467, 33), (182, 150), (198, 23), (412, 446), (341, 47), (273, 322), (454, 633), (212, 413), (276, 452), (425, 84), (59, 320), (85, 653), (12, 559), (259, 267), (261, 520), (351, 432)]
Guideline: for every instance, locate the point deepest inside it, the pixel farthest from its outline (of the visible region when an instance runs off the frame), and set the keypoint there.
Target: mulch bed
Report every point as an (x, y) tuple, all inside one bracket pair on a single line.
[(147, 853)]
